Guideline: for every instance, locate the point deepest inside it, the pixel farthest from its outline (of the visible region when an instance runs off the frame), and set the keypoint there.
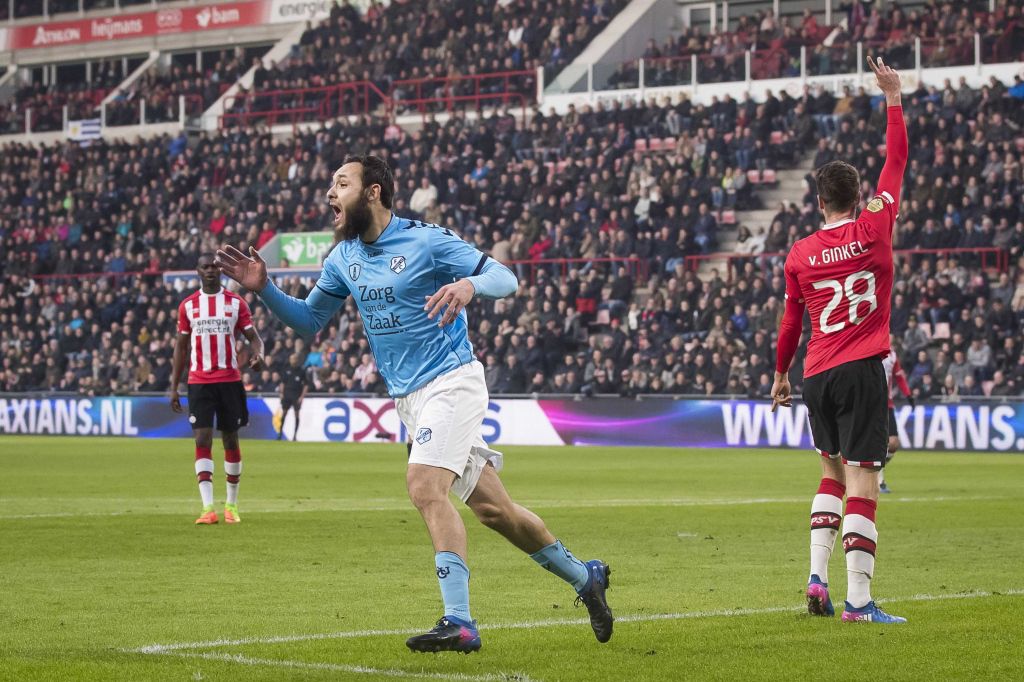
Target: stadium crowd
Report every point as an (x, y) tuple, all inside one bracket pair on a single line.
[(572, 186), (387, 45), (161, 87), (47, 102), (405, 41), (946, 29)]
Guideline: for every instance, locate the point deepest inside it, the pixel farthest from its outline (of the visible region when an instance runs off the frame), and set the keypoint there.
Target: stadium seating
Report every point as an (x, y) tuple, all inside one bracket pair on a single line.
[(946, 30), (162, 89), (159, 88), (47, 102), (606, 214), (463, 54)]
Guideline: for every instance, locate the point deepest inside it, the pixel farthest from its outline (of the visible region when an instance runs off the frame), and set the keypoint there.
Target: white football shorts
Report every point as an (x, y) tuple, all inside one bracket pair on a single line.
[(444, 419)]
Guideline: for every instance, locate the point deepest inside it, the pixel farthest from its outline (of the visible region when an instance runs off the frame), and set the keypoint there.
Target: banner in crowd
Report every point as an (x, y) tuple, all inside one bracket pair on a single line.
[(303, 249), (162, 22), (997, 427), (85, 130)]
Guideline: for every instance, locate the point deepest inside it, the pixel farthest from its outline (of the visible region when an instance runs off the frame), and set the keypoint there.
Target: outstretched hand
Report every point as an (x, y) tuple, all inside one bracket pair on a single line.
[(249, 271), (887, 78)]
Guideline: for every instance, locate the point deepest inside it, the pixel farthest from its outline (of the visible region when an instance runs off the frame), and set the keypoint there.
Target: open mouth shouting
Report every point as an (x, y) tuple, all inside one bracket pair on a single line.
[(339, 214)]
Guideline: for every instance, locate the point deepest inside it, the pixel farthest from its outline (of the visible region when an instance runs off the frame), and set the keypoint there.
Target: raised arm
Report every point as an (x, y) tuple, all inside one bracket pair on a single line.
[(306, 316), (896, 147)]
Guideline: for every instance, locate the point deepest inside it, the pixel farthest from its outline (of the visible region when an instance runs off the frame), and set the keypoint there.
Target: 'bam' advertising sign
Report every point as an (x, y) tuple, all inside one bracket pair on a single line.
[(306, 249)]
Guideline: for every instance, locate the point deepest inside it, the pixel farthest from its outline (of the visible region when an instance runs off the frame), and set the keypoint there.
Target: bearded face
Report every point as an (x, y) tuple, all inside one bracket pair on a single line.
[(350, 203), (355, 219)]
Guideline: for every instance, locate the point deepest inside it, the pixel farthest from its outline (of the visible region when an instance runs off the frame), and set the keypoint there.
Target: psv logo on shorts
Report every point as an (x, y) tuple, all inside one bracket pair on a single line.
[(398, 264)]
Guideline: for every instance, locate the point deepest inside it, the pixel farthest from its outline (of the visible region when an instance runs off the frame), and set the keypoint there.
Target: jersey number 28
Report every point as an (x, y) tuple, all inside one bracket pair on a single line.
[(854, 299)]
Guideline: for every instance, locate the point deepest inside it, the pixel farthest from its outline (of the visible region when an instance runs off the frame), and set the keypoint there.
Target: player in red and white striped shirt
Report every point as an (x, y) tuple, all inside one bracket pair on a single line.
[(897, 382), (208, 324)]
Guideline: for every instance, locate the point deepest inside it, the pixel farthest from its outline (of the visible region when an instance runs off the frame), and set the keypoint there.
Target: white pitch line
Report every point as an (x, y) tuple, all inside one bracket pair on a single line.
[(66, 515), (533, 504), (356, 669), (530, 625)]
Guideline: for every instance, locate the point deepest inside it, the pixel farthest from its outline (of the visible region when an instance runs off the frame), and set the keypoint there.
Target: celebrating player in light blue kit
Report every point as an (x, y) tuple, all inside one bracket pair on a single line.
[(412, 282)]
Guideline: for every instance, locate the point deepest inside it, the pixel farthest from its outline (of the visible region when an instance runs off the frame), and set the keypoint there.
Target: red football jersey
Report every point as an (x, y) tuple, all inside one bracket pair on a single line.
[(843, 273), (212, 320)]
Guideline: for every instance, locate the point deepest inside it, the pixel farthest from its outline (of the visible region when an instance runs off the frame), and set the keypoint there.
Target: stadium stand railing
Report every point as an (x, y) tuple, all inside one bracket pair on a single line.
[(989, 259), (138, 112), (636, 267), (501, 86), (302, 104), (422, 95), (807, 60)]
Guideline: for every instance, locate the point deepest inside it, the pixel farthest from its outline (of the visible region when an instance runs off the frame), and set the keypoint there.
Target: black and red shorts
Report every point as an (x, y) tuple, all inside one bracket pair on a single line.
[(225, 400), (847, 407)]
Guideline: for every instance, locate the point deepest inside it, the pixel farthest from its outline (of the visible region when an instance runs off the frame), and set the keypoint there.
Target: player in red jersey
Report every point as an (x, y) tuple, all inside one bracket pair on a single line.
[(895, 380), (842, 274), (208, 323)]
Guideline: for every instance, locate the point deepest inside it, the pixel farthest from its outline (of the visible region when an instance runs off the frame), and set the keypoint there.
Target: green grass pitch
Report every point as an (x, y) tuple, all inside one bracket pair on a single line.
[(104, 576)]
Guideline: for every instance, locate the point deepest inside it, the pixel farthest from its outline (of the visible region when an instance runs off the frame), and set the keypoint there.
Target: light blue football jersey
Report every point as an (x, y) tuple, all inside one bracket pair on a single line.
[(390, 281)]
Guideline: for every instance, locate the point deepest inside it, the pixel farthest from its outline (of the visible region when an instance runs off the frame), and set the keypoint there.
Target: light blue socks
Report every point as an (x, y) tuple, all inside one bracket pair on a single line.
[(453, 577), (560, 561)]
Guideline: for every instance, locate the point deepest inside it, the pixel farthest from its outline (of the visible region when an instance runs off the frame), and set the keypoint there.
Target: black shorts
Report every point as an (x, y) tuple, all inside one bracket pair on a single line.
[(226, 400), (290, 401), (893, 431), (847, 408)]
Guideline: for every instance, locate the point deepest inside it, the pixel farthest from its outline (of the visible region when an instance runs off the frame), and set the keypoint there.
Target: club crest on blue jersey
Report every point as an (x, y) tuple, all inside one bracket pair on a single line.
[(398, 264), (354, 270), (423, 435)]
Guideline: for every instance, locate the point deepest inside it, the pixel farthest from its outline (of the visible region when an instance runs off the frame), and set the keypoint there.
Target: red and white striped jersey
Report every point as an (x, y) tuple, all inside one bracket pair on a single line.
[(894, 377), (213, 320)]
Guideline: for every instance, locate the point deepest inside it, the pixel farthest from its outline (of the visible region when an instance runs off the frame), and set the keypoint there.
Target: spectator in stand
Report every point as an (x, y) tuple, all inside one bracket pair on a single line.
[(149, 206), (81, 95), (411, 53)]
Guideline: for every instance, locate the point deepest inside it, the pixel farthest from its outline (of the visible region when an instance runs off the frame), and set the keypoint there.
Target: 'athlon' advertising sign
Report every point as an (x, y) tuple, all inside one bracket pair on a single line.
[(162, 22)]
